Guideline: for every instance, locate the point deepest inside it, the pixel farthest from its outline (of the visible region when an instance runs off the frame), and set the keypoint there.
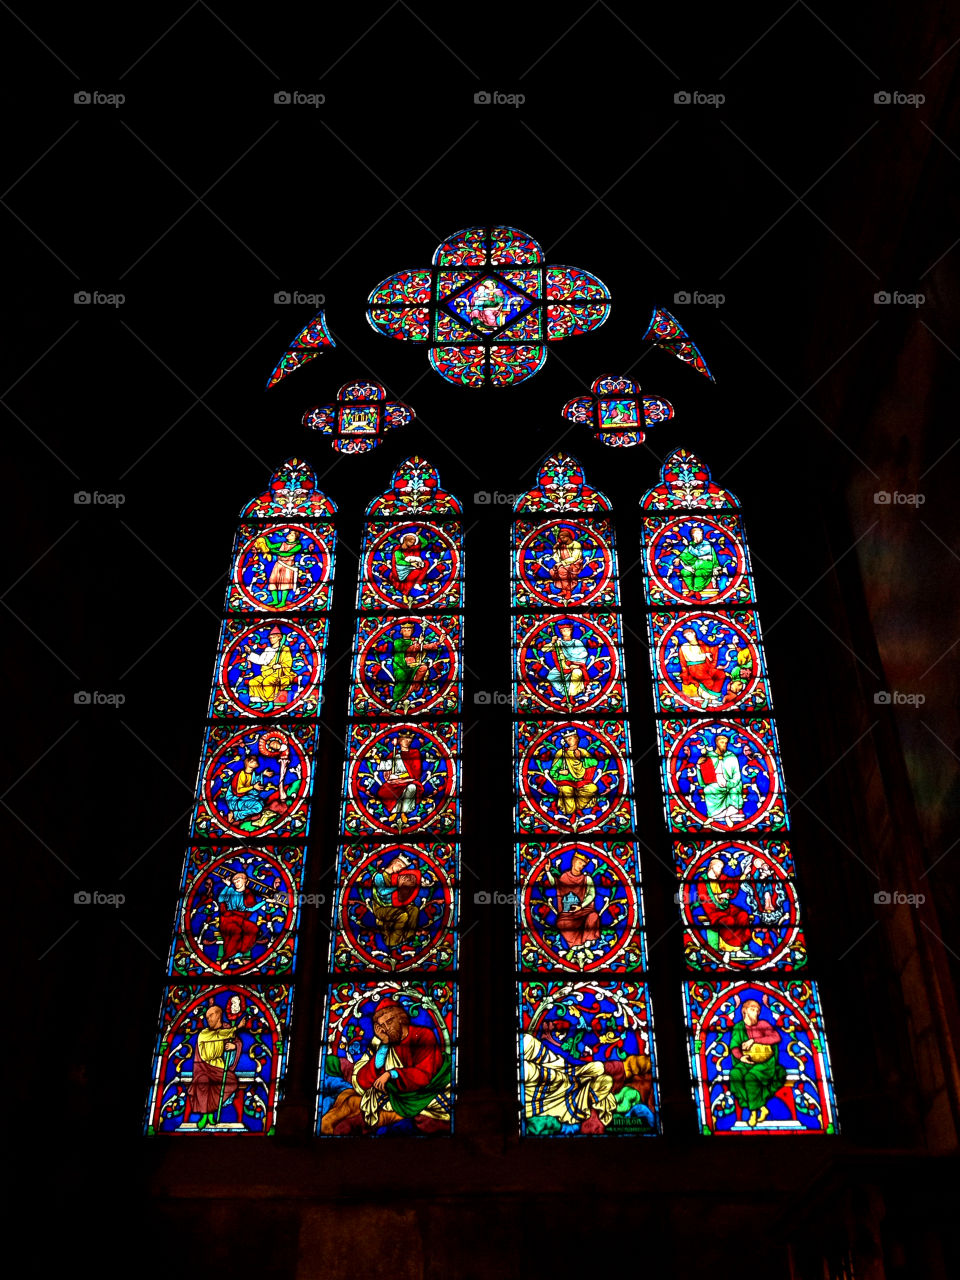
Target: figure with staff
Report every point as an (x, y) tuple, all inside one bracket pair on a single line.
[(570, 660), (410, 665), (214, 1083)]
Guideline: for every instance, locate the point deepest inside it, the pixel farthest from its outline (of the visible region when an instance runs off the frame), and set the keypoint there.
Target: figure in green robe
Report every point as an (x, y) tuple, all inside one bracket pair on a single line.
[(698, 564), (757, 1074), (722, 783), (409, 670)]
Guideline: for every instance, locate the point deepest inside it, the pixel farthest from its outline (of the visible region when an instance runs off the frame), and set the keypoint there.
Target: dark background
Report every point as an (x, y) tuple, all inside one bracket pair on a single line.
[(198, 199)]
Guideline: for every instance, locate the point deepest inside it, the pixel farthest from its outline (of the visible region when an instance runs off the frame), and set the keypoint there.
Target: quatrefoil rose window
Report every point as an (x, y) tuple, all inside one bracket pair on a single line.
[(487, 306), (617, 412), (359, 418)]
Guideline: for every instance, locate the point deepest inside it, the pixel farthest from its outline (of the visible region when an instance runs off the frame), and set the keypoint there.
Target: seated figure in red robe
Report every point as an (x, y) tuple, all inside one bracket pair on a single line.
[(577, 918), (237, 903), (401, 788), (729, 927), (700, 677), (404, 1074), (409, 566)]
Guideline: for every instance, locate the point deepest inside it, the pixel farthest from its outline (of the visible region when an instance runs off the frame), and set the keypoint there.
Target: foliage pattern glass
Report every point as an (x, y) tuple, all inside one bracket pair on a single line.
[(667, 333), (306, 346)]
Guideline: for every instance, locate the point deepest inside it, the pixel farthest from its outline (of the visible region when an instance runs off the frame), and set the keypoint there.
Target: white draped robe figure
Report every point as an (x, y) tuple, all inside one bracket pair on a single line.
[(566, 1090)]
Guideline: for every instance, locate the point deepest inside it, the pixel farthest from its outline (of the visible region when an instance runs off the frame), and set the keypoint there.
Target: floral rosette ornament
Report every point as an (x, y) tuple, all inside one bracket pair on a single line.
[(487, 306)]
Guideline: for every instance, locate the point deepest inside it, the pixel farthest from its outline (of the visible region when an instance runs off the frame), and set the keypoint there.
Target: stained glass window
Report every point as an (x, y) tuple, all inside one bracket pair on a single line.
[(693, 558), (617, 412), (669, 334), (722, 773), (758, 1053), (224, 1027), (389, 1054), (487, 306), (682, 685), (306, 346), (220, 1059), (586, 1050), (360, 417), (757, 876), (759, 1057)]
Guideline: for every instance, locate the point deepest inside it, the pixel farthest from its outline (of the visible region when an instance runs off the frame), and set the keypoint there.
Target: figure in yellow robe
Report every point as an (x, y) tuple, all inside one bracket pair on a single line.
[(572, 771), (276, 672), (213, 1083)]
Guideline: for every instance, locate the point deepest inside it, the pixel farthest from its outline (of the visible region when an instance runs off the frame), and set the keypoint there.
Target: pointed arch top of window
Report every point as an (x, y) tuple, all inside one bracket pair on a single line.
[(415, 490), (561, 487), (686, 485), (292, 491), (667, 332)]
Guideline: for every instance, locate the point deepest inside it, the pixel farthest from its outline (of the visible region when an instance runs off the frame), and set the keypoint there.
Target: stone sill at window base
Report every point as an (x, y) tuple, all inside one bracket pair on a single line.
[(466, 1166), (483, 1216)]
